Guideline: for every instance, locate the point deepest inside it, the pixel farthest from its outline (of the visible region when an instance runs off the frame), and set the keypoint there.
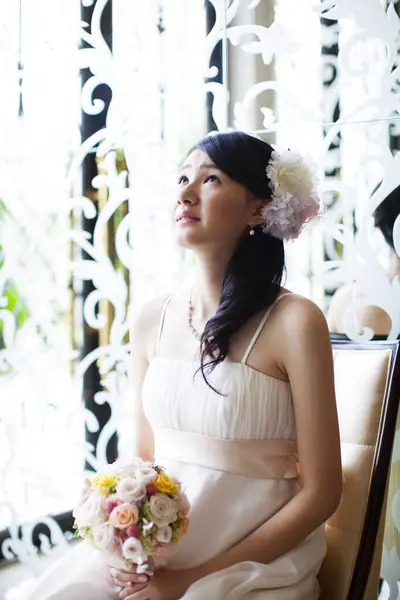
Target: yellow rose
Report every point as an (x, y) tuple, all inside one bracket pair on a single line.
[(165, 485), (105, 483)]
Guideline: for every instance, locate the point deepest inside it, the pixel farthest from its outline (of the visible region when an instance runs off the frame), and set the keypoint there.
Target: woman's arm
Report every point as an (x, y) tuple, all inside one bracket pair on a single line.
[(143, 345), (139, 346), (306, 356), (143, 342)]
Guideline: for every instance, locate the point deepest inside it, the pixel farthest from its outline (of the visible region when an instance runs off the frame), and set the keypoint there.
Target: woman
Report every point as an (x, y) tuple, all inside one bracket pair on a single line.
[(370, 316), (234, 382)]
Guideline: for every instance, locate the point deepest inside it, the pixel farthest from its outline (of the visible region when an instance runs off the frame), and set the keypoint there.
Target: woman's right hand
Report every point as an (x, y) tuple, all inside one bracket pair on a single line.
[(129, 577)]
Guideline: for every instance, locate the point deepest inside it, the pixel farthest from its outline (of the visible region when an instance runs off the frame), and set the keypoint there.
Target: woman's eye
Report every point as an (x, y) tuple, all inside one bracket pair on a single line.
[(213, 179), (182, 179)]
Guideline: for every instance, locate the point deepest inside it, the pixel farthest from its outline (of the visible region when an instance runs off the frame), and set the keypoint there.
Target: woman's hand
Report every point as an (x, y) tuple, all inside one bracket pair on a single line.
[(130, 577), (164, 585)]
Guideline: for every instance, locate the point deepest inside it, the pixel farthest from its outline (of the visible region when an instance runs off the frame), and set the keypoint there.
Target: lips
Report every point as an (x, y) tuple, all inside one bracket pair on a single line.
[(186, 216)]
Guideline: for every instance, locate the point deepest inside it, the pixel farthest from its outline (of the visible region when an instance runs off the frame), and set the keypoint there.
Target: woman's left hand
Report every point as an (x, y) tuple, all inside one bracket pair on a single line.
[(164, 585)]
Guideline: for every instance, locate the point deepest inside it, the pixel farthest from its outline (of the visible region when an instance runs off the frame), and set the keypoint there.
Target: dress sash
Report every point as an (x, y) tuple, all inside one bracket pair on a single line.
[(259, 459)]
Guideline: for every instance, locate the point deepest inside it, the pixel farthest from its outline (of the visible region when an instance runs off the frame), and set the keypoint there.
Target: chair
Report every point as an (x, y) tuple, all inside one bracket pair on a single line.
[(367, 381)]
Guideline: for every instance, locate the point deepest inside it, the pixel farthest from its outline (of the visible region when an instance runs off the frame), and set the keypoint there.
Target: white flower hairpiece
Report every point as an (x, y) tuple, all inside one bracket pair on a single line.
[(294, 195)]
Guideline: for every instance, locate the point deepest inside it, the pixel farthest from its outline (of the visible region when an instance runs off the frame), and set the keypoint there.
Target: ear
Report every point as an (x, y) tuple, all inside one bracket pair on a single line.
[(256, 217), (256, 221)]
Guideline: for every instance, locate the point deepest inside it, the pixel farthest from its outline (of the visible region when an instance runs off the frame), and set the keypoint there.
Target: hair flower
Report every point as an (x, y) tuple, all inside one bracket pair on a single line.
[(294, 195)]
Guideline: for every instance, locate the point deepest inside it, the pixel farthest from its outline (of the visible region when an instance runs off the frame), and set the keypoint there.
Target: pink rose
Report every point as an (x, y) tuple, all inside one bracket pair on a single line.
[(110, 504), (151, 490), (133, 531), (124, 515)]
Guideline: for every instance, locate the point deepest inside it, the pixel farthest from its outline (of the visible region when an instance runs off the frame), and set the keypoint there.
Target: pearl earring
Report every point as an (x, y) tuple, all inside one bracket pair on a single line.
[(252, 232)]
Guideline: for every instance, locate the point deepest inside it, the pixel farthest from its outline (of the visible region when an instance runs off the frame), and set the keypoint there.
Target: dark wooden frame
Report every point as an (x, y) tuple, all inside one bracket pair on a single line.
[(381, 465)]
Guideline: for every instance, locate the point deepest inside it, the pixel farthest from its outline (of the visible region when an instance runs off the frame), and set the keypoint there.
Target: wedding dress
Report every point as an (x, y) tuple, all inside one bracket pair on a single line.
[(236, 457)]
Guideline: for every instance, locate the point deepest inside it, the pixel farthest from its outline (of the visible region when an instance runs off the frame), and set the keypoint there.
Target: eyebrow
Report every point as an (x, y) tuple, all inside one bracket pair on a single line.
[(202, 166)]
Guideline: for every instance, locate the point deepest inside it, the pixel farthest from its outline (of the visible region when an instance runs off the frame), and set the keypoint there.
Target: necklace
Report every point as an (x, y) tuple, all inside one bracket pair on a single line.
[(192, 328)]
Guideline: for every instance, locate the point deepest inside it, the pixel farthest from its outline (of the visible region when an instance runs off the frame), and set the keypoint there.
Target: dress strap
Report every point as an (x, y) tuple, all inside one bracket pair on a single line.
[(162, 320), (261, 327)]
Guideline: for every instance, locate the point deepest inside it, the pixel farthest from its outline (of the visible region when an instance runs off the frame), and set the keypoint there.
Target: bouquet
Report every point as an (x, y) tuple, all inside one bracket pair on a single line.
[(131, 510)]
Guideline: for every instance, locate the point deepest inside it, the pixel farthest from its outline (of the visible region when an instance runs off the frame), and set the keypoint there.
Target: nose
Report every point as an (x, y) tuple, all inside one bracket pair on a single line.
[(187, 195)]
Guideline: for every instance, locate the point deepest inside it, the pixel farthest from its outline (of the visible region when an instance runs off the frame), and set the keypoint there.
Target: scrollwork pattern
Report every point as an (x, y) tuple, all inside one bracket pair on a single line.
[(340, 249)]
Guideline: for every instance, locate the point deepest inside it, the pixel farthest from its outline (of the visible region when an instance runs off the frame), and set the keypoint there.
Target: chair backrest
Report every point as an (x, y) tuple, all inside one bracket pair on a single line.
[(367, 382)]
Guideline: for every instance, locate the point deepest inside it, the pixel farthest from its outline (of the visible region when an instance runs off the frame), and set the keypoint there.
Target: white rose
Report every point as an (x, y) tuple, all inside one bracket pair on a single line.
[(162, 509), (91, 511), (164, 535), (125, 466), (103, 535), (132, 549), (131, 489), (146, 473)]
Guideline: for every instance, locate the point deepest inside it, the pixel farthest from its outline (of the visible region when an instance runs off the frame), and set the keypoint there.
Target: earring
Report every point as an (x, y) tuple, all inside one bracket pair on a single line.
[(252, 232)]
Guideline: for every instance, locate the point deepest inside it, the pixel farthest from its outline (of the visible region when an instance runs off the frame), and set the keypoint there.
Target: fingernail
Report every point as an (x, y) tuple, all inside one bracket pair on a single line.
[(142, 578)]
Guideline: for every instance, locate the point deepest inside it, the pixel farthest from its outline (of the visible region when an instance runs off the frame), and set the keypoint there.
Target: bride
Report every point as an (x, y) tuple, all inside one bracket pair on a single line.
[(234, 382)]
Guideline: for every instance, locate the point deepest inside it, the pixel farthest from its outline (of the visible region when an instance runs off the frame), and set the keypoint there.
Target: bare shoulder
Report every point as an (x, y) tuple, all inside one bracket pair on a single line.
[(300, 314), (145, 325), (149, 314), (304, 347)]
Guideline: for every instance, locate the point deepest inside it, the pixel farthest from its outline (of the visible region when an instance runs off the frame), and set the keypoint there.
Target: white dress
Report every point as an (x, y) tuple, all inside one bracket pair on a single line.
[(236, 457)]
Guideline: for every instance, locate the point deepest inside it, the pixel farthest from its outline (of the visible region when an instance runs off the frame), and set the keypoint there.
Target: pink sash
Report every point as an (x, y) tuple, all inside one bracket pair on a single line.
[(259, 459)]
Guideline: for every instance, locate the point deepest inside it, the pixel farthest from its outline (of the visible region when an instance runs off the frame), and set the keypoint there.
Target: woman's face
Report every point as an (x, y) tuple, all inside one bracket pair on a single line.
[(211, 208)]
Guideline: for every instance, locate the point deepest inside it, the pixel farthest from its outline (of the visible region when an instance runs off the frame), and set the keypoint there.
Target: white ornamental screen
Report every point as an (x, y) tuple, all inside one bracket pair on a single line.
[(101, 100)]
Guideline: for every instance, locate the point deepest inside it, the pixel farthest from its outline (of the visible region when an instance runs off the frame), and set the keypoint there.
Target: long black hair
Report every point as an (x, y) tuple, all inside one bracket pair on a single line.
[(386, 214), (254, 273)]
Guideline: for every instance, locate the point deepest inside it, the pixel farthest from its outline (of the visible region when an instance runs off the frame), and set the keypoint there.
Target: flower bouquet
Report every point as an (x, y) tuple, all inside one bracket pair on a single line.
[(131, 510)]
